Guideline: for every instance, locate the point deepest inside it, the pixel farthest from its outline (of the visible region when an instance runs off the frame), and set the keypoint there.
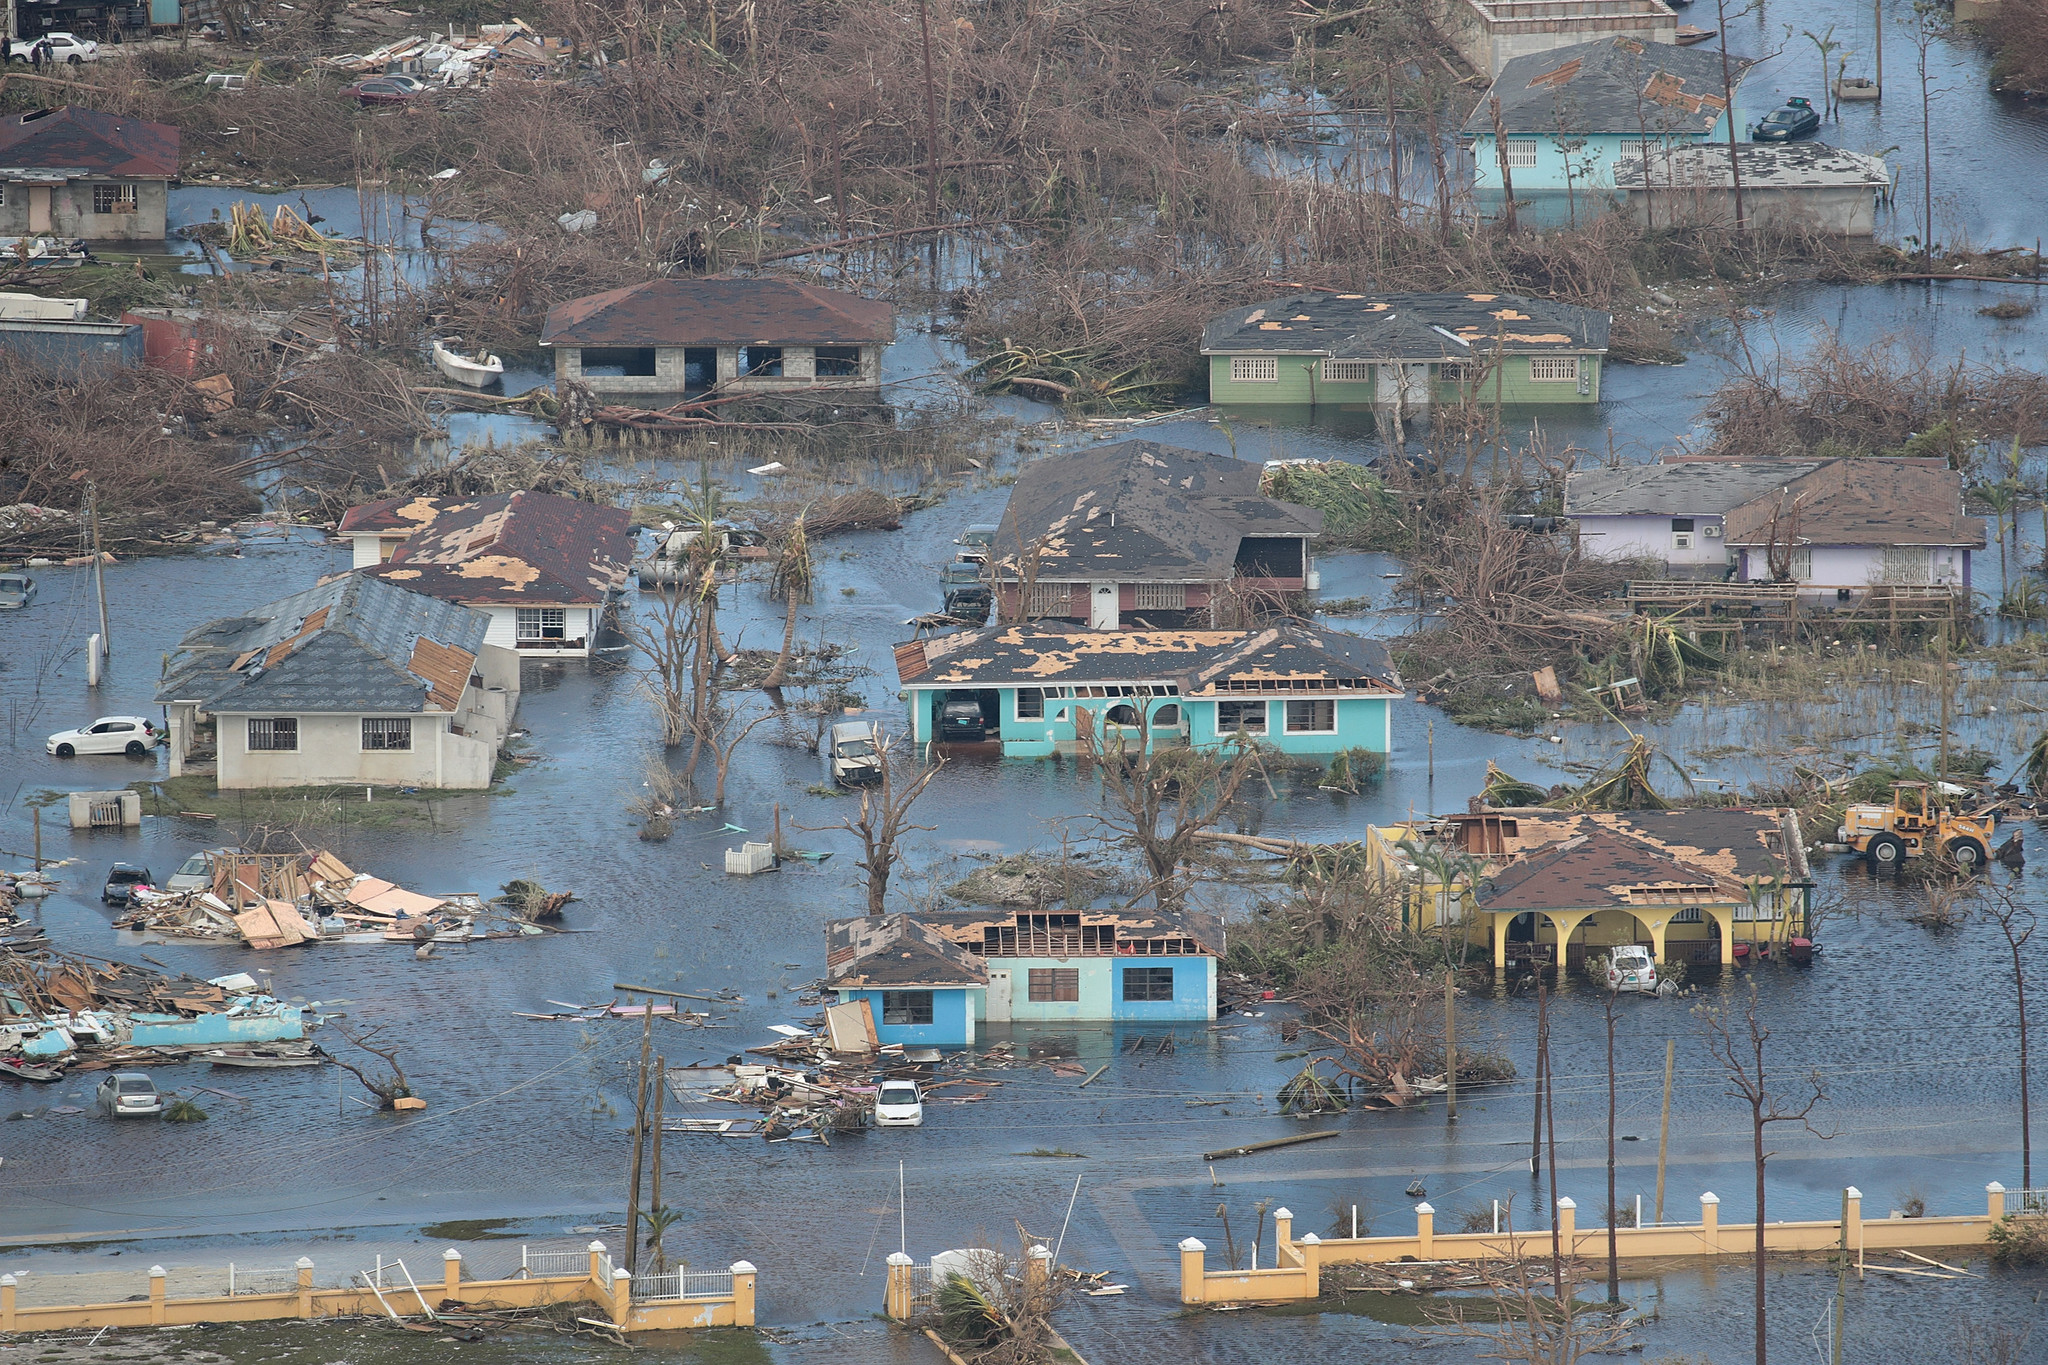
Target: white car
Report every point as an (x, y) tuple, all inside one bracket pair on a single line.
[(1631, 968), (898, 1104), (134, 735), (67, 48), (127, 1095)]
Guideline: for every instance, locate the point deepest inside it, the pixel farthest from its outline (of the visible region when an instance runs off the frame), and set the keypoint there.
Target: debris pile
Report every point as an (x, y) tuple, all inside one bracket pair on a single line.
[(455, 60), (92, 1013)]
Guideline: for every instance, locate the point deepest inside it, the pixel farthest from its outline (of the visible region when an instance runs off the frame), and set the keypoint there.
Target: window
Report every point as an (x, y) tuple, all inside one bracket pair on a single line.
[(383, 733), (1248, 716), (1521, 153), (1030, 703), (1459, 372), (1554, 369), (1162, 596), (1166, 718), (1148, 983), (837, 362), (617, 362), (1689, 915), (1254, 369), (1049, 599), (906, 1007), (113, 199), (761, 361), (276, 734), (1053, 985), (1681, 523), (1802, 564), (543, 623), (1347, 371), (1311, 717)]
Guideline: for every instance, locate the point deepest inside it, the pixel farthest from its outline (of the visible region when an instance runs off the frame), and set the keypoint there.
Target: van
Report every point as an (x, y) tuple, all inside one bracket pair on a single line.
[(856, 753)]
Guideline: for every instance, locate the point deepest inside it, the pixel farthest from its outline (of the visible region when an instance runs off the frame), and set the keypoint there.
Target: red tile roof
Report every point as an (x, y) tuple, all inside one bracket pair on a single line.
[(85, 139)]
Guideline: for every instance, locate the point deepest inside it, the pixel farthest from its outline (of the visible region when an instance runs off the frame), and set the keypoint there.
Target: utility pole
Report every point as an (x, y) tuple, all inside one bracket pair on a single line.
[(1550, 1133), (1664, 1126), (639, 1141), (1841, 1283), (1728, 92), (1542, 1058), (931, 113), (99, 577), (1451, 1040), (1877, 14), (1613, 1251)]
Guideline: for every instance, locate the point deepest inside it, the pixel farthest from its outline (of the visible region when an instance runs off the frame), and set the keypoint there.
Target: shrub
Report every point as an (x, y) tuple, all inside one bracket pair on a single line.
[(2020, 1239)]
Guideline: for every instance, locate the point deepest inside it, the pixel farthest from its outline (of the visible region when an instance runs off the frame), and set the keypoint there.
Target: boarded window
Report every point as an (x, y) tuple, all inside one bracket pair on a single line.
[(1521, 153), (1148, 983), (1347, 371), (394, 732), (1162, 596), (1312, 716), (1049, 599), (274, 734), (837, 362), (1030, 703), (906, 1007), (1554, 369), (543, 623), (1254, 369), (1053, 985), (113, 199), (1248, 716)]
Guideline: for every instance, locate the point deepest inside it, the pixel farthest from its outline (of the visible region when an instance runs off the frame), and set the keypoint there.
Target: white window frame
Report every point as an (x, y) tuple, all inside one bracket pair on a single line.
[(1161, 597), (1017, 710), (540, 618), (1521, 153), (1802, 564), (1554, 369), (389, 728), (1264, 713), (1287, 718), (1254, 369), (1049, 599), (1347, 371)]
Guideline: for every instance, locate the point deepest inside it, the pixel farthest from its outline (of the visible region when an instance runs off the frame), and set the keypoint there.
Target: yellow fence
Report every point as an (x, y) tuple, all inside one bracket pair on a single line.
[(1298, 1272), (608, 1291)]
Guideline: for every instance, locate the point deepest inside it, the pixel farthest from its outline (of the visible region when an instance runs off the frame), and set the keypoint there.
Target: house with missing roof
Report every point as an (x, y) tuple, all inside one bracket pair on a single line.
[(1491, 33), (1784, 184), (1147, 535), (1855, 523), (1674, 513), (1405, 351), (543, 570), (1704, 886), (686, 336), (933, 978), (1301, 689), (355, 682), (79, 173)]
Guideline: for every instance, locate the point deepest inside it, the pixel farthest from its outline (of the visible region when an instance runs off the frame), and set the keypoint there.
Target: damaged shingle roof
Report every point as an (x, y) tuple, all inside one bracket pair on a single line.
[(1139, 511), (394, 514), (1679, 488), (719, 312), (1748, 843), (1610, 85), (1765, 166), (1289, 657), (533, 549), (74, 139), (1863, 500), (1599, 868), (1405, 327), (896, 952), (352, 644), (968, 927)]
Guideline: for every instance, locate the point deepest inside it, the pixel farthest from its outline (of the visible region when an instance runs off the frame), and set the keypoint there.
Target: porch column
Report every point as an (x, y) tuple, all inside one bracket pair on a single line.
[(1996, 1194), (1659, 927), (896, 1295), (1312, 1262), (1283, 1232), (622, 1296), (6, 1303), (1566, 924), (1724, 921), (157, 1313), (304, 1266), (1852, 1219), (1710, 1222), (1501, 922), (1568, 1225), (451, 1274)]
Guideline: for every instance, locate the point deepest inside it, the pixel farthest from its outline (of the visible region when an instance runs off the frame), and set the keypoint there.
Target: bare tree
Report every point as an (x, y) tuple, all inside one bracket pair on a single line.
[(2016, 920), (1737, 1043), (666, 636), (794, 581), (1160, 800), (719, 730), (883, 820), (388, 1089), (1526, 1326), (1922, 28)]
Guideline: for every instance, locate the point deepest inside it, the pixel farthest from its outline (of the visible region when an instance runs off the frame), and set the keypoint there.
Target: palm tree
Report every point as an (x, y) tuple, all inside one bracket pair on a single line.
[(660, 1219)]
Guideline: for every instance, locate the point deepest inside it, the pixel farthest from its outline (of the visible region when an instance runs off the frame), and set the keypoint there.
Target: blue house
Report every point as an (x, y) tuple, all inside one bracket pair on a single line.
[(1298, 688), (1111, 964), (924, 990), (1573, 114)]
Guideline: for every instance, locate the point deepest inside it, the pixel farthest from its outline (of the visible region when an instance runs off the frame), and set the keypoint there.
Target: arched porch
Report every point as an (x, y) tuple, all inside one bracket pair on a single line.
[(1604, 927)]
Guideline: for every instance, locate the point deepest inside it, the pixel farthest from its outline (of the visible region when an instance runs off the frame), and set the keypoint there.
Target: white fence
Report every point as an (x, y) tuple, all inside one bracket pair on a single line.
[(683, 1284), (535, 1265), (2026, 1201)]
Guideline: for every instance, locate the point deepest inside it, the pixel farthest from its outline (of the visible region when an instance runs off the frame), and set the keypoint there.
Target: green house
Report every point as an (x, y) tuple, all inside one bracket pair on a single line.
[(1405, 352), (1033, 689)]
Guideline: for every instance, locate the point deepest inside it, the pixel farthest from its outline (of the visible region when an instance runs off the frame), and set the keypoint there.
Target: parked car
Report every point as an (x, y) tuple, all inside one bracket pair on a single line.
[(196, 872), (128, 1094), (977, 542), (960, 719), (899, 1104), (385, 90), (17, 590), (1795, 118), (67, 48), (227, 80), (121, 879), (132, 735), (856, 753), (1631, 968), (967, 597)]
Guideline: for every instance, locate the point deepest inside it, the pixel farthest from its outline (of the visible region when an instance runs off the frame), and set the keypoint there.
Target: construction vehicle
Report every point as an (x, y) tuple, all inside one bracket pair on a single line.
[(1912, 825)]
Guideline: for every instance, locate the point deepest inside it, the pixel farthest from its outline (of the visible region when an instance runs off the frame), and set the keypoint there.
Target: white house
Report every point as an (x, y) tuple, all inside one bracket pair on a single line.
[(1854, 523), (1674, 513), (354, 682), (542, 568)]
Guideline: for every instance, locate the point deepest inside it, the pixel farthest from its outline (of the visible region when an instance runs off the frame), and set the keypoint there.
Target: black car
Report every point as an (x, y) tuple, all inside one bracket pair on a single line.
[(123, 878), (1793, 119), (960, 719), (967, 597)]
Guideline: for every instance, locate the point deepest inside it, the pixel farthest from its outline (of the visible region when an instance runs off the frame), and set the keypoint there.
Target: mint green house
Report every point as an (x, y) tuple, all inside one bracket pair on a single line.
[(1137, 965), (1405, 352), (1035, 689)]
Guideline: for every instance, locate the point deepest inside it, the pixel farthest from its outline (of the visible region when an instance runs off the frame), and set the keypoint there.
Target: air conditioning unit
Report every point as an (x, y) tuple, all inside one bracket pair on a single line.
[(1712, 531), (1681, 540)]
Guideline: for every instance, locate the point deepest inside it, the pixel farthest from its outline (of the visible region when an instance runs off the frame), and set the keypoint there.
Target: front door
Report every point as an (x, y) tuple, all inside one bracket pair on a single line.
[(1406, 385), (998, 996), (38, 208), (1102, 606)]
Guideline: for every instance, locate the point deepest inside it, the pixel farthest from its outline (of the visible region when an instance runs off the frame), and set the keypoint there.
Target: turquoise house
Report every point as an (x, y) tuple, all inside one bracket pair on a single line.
[(1036, 689), (924, 990)]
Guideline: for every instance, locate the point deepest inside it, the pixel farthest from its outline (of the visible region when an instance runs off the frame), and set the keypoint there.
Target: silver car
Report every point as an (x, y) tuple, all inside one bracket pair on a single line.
[(129, 1095)]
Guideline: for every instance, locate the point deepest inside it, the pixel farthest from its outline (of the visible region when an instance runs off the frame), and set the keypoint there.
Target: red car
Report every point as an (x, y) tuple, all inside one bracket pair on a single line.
[(386, 90)]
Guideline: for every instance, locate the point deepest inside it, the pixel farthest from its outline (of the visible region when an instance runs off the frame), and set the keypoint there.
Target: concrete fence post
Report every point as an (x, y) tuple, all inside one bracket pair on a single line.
[(1995, 1198), (1568, 1225), (1852, 1214), (596, 1250), (1037, 1268), (1425, 1232), (622, 1295), (157, 1314), (1193, 1288), (1283, 1233), (1710, 1222), (6, 1303), (743, 1277), (1312, 1263), (896, 1298), (304, 1265), (451, 1274)]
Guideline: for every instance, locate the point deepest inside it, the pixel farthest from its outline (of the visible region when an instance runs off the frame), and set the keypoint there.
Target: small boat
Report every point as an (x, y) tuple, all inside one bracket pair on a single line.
[(264, 1060), (20, 1070), (484, 370), (1688, 34)]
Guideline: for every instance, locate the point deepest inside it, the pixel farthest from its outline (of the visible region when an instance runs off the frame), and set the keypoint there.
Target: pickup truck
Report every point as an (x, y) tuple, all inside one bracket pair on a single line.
[(67, 48)]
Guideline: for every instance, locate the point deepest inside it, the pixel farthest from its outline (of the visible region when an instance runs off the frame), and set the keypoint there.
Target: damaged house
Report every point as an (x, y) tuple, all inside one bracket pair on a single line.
[(79, 173), (1674, 513), (543, 569), (1405, 351), (1855, 523), (922, 989), (355, 682), (1149, 535), (1036, 688)]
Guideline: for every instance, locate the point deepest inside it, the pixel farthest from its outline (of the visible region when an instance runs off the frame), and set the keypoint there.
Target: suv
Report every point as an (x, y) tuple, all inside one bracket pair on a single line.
[(960, 719), (1631, 968), (123, 878), (967, 597), (856, 761), (976, 542)]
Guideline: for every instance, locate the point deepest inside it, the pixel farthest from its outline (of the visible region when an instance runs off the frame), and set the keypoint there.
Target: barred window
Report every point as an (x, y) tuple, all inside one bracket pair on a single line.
[(1521, 153), (1559, 369), (906, 1007), (1162, 596), (1030, 703), (1049, 599), (1689, 915), (274, 734), (113, 199), (1347, 371), (543, 623), (1311, 716), (1053, 985), (1248, 716), (1254, 369), (387, 733), (1148, 983)]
